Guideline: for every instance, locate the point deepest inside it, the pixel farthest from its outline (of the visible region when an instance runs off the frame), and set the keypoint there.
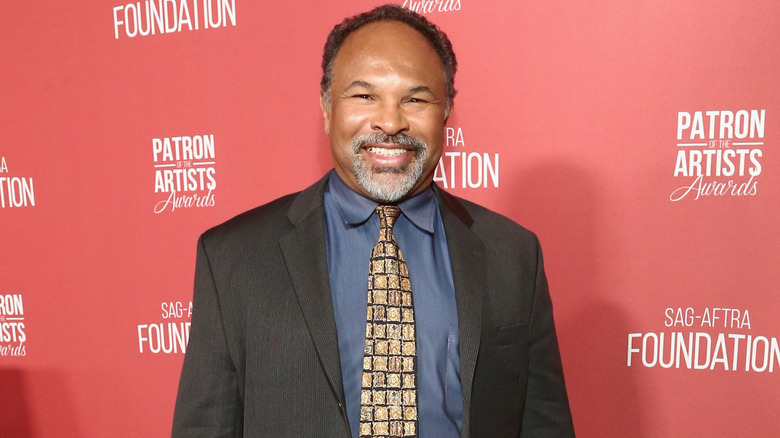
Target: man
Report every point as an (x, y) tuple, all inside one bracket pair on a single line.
[(285, 340)]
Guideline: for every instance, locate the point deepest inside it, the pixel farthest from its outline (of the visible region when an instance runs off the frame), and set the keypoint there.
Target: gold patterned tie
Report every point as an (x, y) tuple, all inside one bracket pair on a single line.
[(388, 399)]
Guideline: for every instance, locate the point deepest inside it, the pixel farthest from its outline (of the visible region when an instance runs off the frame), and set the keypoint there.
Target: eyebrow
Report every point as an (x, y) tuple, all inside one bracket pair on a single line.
[(359, 83), (421, 88), (364, 84)]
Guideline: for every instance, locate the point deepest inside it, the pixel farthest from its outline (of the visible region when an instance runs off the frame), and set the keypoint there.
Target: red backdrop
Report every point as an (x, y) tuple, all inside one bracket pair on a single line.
[(638, 139)]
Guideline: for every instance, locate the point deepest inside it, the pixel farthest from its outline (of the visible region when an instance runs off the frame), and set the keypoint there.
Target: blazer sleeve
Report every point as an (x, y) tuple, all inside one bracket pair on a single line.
[(208, 403), (547, 411)]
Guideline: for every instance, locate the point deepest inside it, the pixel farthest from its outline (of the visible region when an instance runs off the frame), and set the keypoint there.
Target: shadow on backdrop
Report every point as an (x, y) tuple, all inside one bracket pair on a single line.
[(562, 203), (15, 420), (46, 391)]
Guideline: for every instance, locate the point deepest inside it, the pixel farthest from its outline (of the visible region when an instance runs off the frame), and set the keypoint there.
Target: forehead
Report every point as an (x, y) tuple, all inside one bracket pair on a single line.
[(390, 44)]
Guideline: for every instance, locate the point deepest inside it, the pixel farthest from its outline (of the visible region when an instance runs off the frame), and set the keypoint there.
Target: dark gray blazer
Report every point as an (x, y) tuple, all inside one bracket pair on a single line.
[(263, 356)]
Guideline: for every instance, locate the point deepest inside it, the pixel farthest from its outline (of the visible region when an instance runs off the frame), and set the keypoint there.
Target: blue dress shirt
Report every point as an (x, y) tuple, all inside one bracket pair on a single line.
[(352, 229)]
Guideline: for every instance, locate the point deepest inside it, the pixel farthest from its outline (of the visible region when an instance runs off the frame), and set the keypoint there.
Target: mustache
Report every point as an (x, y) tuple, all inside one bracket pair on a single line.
[(380, 137)]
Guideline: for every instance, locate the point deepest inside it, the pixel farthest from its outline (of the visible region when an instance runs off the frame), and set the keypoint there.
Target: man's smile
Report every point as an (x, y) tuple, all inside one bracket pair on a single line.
[(388, 156)]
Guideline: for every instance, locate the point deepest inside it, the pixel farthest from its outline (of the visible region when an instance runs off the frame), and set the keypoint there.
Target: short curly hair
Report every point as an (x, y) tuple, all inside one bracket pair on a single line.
[(430, 31)]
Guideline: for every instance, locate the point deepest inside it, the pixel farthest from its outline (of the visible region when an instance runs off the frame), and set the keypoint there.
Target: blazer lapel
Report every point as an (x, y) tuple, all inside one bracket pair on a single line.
[(306, 258), (469, 276)]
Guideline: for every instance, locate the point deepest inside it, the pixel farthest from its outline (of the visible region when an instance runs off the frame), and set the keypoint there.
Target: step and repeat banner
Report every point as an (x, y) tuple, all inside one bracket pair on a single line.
[(639, 140)]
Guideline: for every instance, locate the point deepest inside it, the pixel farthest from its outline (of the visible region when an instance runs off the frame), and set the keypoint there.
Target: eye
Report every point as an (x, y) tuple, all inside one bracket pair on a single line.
[(416, 100), (362, 96)]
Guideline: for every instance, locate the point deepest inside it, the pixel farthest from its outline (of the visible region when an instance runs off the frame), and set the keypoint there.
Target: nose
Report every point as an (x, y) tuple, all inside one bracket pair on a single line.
[(390, 119)]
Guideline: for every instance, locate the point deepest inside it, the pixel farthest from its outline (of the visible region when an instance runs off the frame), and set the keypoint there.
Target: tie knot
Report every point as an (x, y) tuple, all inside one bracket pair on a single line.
[(387, 215)]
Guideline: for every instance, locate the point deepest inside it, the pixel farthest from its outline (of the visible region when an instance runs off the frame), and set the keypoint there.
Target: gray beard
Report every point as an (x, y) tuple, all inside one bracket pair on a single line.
[(388, 184)]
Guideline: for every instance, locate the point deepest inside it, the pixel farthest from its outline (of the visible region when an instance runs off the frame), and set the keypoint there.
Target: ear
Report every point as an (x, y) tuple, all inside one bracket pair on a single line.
[(448, 112), (325, 113)]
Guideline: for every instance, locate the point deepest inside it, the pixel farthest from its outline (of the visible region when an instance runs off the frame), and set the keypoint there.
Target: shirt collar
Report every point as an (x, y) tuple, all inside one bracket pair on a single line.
[(356, 209)]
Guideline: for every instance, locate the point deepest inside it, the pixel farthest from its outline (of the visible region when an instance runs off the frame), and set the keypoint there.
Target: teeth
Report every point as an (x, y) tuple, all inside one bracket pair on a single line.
[(386, 152)]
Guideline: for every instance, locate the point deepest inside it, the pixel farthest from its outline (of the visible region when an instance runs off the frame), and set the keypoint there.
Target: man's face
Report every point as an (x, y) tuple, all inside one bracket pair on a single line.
[(387, 113)]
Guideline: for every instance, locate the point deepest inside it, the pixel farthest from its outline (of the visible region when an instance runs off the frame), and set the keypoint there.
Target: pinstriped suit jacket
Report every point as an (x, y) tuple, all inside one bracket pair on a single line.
[(263, 357)]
